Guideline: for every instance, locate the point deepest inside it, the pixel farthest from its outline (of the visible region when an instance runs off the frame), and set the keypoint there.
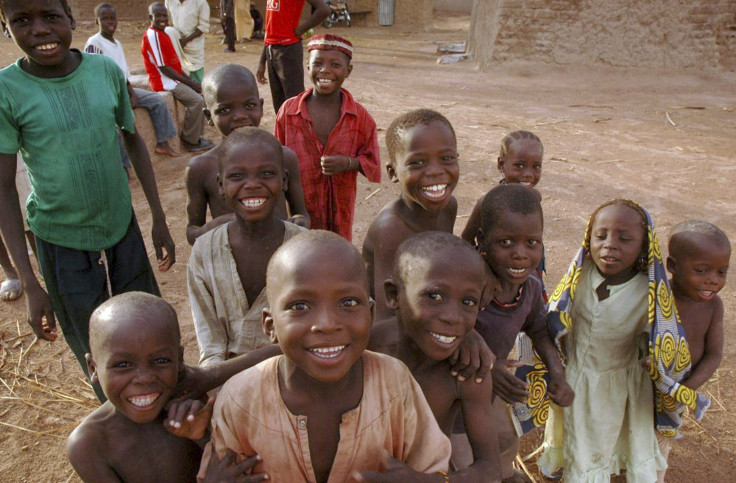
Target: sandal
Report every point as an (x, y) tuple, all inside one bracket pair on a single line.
[(11, 289)]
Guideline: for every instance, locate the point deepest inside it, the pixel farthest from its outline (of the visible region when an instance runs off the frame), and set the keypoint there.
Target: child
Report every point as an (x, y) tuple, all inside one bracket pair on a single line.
[(165, 74), (510, 240), (327, 407), (436, 290), (135, 356), (609, 311), (104, 43), (519, 162), (191, 20), (422, 151), (699, 254), (226, 273), (231, 96), (60, 108), (227, 20), (333, 136)]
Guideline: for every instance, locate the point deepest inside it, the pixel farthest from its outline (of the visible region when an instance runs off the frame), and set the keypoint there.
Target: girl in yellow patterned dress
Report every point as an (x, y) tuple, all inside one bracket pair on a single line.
[(605, 333)]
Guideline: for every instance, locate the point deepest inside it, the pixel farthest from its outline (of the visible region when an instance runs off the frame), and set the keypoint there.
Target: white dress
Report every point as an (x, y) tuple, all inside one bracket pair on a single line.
[(610, 424)]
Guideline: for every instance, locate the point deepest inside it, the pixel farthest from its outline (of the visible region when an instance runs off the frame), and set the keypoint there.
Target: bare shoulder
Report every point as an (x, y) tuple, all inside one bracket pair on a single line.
[(203, 162), (388, 221), (89, 439)]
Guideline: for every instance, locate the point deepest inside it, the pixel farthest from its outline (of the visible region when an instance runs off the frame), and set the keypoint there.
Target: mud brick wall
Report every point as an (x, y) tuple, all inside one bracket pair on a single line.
[(635, 33)]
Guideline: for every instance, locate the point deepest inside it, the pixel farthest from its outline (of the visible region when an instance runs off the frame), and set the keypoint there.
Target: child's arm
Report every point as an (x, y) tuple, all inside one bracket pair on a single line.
[(38, 304), (559, 390), (367, 156), (471, 228), (202, 27), (321, 11), (295, 192), (261, 72), (197, 201), (162, 241), (189, 418), (171, 73), (713, 350), (86, 454)]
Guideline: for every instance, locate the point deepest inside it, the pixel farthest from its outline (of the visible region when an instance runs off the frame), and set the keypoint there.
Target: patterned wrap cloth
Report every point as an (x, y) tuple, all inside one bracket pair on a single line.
[(668, 348)]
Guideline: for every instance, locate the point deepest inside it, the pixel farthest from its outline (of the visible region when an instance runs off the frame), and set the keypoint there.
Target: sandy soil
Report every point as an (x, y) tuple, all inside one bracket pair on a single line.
[(606, 134)]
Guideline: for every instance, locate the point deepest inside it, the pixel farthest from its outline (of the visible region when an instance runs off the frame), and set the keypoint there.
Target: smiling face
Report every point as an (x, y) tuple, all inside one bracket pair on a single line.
[(107, 20), (136, 360), (159, 16), (439, 302), (616, 241), (328, 69), (427, 166), (234, 105), (699, 267), (43, 31), (320, 311), (513, 249), (251, 180), (522, 163)]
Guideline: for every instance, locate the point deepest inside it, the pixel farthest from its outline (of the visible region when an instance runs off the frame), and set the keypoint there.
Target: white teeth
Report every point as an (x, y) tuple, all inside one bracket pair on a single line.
[(445, 339), (327, 352), (525, 183), (253, 202), (144, 400), (435, 191), (517, 271), (46, 46)]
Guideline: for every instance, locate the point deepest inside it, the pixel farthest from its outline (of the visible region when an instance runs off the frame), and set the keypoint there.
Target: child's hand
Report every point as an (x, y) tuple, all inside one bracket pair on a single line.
[(646, 363), (227, 469), (472, 358), (189, 419), (393, 470), (300, 220), (506, 385), (261, 73), (335, 164), (162, 242), (560, 392)]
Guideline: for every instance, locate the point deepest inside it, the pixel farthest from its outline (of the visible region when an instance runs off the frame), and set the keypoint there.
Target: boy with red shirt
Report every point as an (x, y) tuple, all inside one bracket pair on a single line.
[(333, 136), (165, 74), (282, 46)]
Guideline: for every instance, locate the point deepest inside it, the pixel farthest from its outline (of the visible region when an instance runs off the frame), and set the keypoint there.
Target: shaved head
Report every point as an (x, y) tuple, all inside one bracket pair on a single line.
[(132, 309), (302, 250), (234, 73), (692, 235)]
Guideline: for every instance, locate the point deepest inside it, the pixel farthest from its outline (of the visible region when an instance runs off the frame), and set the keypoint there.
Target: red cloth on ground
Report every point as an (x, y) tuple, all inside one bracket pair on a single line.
[(330, 200), (282, 18)]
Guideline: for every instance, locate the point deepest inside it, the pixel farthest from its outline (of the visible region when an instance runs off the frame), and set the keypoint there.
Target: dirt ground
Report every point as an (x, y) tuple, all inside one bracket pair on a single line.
[(664, 139)]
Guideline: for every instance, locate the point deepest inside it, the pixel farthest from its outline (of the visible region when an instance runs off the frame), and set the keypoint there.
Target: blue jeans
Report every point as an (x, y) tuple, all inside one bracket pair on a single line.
[(160, 118)]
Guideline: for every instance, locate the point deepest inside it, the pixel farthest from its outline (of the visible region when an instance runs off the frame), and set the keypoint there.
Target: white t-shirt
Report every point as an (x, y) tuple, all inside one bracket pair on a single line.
[(97, 44)]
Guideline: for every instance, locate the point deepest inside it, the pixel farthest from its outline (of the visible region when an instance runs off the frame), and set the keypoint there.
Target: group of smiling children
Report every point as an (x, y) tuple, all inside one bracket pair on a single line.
[(337, 365)]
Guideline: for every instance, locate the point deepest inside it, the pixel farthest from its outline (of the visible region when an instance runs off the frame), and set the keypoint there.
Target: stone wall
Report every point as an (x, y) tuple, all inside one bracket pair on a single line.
[(638, 33), (454, 6)]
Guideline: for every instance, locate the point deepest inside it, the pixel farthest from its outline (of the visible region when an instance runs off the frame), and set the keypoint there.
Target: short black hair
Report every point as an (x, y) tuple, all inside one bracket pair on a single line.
[(678, 237), (509, 139), (101, 6), (504, 198), (248, 135), (219, 74), (407, 121), (421, 249), (4, 20)]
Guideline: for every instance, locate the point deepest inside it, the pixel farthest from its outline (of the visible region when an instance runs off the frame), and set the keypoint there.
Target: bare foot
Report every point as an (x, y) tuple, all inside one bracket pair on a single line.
[(164, 148)]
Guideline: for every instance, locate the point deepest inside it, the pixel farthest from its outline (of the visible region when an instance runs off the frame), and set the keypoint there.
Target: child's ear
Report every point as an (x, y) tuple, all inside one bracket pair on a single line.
[(671, 265), (219, 186), (499, 165), (181, 356), (285, 182), (391, 171), (6, 32), (478, 241), (392, 294), (91, 368), (350, 69), (267, 323), (208, 116)]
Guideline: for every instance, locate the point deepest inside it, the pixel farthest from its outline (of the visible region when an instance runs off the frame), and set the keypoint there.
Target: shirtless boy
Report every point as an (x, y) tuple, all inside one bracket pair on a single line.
[(226, 273), (699, 254), (136, 357), (232, 102), (422, 151), (331, 407), (436, 291)]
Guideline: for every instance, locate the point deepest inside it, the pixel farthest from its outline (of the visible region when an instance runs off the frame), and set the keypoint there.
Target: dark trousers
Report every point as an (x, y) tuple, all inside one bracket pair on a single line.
[(77, 282), (285, 72), (228, 26)]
